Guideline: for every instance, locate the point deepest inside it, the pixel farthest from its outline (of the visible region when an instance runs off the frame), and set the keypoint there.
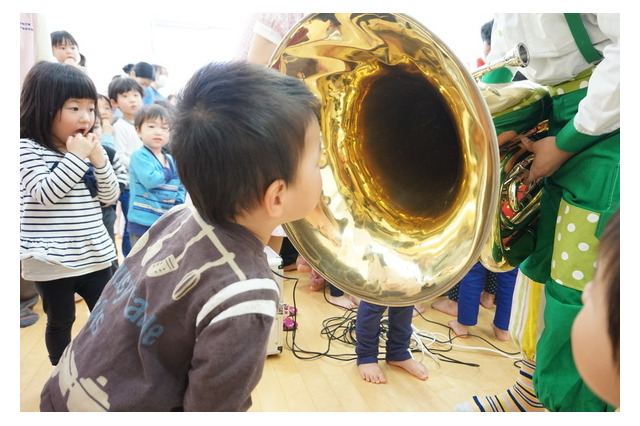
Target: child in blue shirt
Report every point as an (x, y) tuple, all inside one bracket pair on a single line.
[(154, 183)]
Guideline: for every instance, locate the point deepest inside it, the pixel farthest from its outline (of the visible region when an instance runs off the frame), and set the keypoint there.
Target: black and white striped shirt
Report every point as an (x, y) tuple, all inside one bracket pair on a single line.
[(61, 228)]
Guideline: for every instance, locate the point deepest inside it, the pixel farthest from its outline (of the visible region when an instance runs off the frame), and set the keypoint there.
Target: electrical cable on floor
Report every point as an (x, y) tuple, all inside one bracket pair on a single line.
[(342, 329)]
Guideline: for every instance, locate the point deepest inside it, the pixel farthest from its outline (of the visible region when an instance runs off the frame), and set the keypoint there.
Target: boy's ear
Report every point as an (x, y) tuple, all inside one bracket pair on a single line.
[(114, 103), (274, 198)]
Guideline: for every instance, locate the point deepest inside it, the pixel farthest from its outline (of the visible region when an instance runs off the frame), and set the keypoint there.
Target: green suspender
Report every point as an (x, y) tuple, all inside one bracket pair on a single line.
[(581, 37)]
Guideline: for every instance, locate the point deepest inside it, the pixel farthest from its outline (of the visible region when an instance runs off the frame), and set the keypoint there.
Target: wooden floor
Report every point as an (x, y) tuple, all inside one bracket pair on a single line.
[(304, 382)]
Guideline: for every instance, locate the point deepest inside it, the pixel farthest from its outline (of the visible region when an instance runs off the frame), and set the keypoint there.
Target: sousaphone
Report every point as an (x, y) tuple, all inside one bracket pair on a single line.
[(410, 163)]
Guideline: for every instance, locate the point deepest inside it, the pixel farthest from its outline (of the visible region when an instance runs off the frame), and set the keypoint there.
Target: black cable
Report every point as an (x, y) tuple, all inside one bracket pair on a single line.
[(342, 329)]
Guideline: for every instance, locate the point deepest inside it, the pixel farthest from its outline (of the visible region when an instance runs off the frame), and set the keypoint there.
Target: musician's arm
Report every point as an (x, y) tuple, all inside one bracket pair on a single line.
[(599, 112)]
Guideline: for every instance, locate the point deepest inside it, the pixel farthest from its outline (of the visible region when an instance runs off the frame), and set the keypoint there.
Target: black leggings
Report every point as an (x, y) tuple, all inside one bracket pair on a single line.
[(58, 302)]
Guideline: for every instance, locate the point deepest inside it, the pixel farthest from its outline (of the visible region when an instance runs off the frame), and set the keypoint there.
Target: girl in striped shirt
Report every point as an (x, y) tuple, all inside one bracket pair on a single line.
[(64, 175)]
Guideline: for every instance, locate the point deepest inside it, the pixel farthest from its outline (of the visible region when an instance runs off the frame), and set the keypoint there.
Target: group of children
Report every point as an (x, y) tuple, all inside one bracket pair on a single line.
[(73, 173), (163, 330)]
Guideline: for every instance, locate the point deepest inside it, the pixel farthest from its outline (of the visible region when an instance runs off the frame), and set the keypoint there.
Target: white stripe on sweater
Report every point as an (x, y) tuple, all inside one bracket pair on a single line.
[(262, 307), (235, 289)]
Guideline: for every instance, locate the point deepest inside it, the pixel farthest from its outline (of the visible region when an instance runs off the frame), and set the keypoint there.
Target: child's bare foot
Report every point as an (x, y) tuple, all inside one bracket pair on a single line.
[(413, 367), (372, 373), (316, 282), (342, 301), (419, 309), (488, 300), (502, 335), (353, 299), (459, 329), (302, 265), (447, 306)]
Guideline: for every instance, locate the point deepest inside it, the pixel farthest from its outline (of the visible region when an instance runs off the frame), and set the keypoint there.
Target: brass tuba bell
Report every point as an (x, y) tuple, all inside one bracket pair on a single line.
[(410, 159)]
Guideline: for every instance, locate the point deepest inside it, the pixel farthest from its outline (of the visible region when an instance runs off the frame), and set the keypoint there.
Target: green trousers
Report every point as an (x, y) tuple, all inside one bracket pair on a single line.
[(577, 201)]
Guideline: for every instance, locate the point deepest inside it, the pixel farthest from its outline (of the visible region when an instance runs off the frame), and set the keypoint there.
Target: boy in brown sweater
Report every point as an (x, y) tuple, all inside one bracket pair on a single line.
[(185, 321)]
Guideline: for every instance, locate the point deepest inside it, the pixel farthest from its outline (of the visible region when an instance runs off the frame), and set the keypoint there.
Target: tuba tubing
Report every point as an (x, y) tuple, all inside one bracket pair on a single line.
[(518, 56)]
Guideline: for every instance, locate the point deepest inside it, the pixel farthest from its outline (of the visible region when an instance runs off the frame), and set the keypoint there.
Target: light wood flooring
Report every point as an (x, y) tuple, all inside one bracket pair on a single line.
[(302, 382)]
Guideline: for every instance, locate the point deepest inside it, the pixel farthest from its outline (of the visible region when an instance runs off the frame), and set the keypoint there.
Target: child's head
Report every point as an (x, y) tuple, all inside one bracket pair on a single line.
[(153, 126), (144, 73), (161, 76), (595, 336), (97, 126), (126, 93), (48, 87), (239, 128), (105, 109), (65, 48)]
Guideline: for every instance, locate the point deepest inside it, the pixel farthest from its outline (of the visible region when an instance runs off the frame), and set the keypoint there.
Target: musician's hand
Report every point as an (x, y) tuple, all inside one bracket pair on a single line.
[(547, 157), (506, 136)]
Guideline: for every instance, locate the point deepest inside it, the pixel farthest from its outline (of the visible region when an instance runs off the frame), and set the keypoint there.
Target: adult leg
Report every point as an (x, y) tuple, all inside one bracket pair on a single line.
[(590, 185), (556, 379)]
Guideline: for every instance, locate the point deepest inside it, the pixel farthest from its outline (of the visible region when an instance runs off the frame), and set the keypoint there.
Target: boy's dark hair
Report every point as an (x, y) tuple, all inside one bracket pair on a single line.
[(59, 37), (238, 127), (47, 86), (609, 258), (149, 112), (485, 32), (122, 85)]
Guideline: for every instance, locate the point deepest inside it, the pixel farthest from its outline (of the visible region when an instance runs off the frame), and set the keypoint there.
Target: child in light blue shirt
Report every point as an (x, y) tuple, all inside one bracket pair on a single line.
[(154, 183)]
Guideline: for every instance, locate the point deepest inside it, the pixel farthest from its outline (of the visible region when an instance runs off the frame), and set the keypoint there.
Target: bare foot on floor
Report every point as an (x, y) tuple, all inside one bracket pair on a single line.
[(342, 301), (488, 300), (502, 335), (302, 265), (413, 367), (447, 306), (419, 309), (459, 329), (316, 282), (372, 373)]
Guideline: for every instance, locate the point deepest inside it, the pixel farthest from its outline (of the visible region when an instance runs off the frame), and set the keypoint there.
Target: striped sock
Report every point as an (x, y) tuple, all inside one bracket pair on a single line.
[(520, 397)]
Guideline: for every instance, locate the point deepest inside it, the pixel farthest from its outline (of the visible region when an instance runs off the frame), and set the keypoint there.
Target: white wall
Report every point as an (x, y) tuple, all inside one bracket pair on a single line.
[(183, 42)]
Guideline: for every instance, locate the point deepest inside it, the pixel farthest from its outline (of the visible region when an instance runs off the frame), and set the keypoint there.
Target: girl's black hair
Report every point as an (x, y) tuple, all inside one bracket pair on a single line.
[(59, 37), (47, 86)]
